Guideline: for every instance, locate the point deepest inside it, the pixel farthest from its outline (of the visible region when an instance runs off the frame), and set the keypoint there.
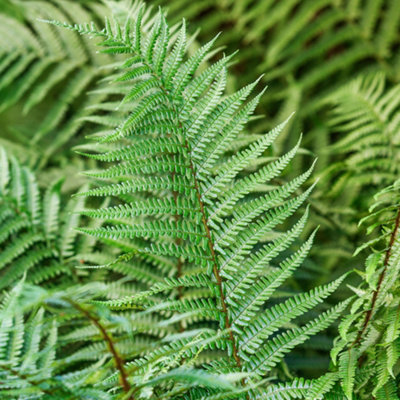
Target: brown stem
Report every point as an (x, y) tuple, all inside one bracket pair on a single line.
[(119, 362), (178, 242), (368, 314), (215, 268), (204, 220)]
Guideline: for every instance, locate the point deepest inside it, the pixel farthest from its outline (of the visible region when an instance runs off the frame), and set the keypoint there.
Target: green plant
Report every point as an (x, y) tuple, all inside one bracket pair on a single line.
[(44, 77), (306, 49), (54, 346), (364, 121), (38, 234), (182, 202), (367, 350), (28, 358), (365, 118), (173, 273)]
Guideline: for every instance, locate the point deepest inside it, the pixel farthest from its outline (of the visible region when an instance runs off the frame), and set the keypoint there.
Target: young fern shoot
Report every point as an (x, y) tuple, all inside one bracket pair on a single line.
[(194, 208)]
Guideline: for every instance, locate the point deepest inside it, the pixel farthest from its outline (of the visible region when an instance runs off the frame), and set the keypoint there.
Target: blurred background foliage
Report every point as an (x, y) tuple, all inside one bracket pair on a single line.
[(336, 63)]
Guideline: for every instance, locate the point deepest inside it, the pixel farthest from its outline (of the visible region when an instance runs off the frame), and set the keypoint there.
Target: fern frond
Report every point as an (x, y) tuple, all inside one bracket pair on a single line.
[(36, 235), (44, 64), (367, 115), (369, 335), (181, 195)]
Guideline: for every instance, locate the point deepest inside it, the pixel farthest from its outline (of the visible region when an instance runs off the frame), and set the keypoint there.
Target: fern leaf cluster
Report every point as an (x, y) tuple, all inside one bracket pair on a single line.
[(305, 48), (43, 358), (364, 121), (39, 63), (37, 236), (176, 201), (366, 118), (184, 266), (367, 349)]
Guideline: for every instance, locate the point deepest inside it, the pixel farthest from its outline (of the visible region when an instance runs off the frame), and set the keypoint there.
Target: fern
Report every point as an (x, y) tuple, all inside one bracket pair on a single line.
[(38, 64), (364, 151), (366, 116), (36, 235), (305, 48), (40, 361), (181, 199), (28, 366), (39, 238), (369, 336)]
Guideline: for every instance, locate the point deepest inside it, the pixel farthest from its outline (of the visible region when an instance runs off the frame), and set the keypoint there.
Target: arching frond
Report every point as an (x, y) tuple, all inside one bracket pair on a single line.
[(197, 211)]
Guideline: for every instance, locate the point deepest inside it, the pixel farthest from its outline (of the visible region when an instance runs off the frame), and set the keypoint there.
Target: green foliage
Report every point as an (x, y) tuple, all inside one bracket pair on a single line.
[(174, 271), (45, 74), (56, 347), (366, 119), (37, 231), (364, 122), (182, 199), (29, 344), (367, 350), (306, 48)]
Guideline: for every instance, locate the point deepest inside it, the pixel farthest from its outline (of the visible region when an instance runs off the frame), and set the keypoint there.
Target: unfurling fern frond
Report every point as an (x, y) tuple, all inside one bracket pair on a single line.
[(182, 202), (367, 350)]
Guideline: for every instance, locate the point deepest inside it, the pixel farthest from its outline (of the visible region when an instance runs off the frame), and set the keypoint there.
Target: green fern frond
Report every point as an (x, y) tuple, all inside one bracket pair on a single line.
[(37, 237), (45, 74), (366, 114), (369, 335), (179, 194)]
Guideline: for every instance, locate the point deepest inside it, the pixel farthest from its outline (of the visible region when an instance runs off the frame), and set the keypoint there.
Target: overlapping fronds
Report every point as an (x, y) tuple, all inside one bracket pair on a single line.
[(45, 75), (366, 119), (39, 237), (54, 346), (367, 351), (37, 231), (305, 48), (181, 201), (29, 351), (363, 125)]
